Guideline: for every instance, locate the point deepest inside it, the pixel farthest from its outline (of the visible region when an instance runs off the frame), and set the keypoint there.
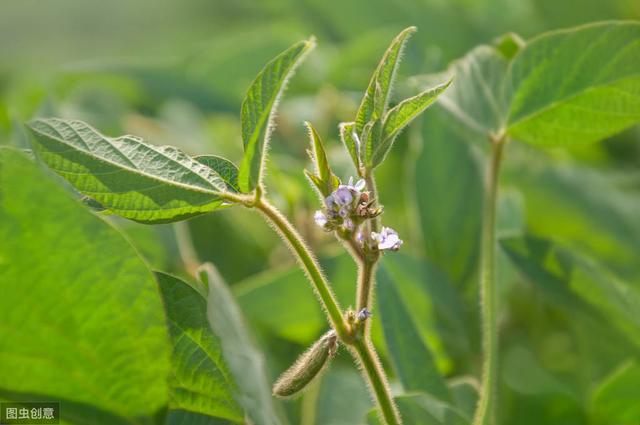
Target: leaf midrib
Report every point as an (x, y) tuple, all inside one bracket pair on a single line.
[(121, 167)]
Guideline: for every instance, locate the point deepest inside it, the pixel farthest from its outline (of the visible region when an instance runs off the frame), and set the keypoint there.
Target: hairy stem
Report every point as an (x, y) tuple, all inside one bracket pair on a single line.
[(377, 381), (373, 193), (488, 293), (309, 264), (366, 276)]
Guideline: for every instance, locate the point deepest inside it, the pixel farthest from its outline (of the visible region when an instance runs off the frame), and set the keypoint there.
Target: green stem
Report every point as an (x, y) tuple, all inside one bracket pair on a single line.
[(377, 381), (373, 193), (309, 264), (488, 292)]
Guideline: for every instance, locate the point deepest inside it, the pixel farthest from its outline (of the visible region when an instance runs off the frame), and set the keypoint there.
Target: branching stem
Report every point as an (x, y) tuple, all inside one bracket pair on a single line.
[(488, 291)]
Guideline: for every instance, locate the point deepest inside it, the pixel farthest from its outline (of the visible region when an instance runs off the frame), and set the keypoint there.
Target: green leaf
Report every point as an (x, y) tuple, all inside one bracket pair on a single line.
[(350, 141), (201, 385), (577, 282), (562, 88), (412, 359), (258, 110), (226, 169), (324, 180), (82, 319), (615, 400), (576, 86), (245, 361), (448, 187), (127, 176), (376, 98), (423, 409), (509, 45), (400, 116)]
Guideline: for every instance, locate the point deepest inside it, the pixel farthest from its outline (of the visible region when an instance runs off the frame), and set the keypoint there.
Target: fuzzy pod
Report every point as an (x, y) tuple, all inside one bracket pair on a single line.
[(308, 366)]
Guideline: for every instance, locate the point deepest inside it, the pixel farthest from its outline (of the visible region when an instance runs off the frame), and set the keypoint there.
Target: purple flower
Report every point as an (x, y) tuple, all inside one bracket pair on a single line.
[(343, 196), (387, 239), (363, 315)]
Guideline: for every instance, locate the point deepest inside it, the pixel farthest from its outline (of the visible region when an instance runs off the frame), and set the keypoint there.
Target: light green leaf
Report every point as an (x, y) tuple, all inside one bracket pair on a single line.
[(200, 383), (374, 105), (324, 180), (615, 400), (350, 141), (412, 359), (576, 86), (245, 361), (82, 320), (423, 409), (258, 110), (226, 169), (400, 116), (562, 88), (127, 176)]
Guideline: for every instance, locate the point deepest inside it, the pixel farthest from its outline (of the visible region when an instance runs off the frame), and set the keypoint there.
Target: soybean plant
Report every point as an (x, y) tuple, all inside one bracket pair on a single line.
[(128, 177)]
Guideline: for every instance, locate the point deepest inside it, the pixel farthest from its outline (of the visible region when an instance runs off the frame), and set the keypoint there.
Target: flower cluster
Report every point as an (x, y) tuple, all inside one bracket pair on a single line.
[(349, 206), (346, 207)]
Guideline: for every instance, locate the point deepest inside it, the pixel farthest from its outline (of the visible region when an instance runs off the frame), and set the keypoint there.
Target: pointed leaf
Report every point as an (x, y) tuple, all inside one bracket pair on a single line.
[(410, 356), (325, 179), (381, 82), (350, 140), (400, 116), (258, 110), (226, 169), (245, 361), (125, 175), (82, 319), (200, 383)]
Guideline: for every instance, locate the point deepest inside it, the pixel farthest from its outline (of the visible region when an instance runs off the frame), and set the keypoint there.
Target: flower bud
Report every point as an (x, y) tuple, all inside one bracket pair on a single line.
[(307, 367)]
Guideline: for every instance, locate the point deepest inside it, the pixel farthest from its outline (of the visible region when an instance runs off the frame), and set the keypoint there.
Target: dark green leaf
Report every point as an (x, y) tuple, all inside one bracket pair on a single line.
[(200, 382), (411, 358), (245, 361), (258, 109), (82, 319), (125, 175), (423, 409)]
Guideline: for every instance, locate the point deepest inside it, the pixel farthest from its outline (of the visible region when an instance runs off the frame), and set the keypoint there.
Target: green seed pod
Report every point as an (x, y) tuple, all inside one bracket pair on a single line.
[(307, 367)]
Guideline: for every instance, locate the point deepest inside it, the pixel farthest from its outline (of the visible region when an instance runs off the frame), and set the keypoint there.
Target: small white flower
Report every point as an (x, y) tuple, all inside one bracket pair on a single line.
[(320, 219), (387, 239)]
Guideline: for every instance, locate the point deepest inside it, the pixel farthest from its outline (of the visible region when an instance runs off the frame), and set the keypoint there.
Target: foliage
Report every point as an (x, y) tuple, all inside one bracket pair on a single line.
[(122, 323)]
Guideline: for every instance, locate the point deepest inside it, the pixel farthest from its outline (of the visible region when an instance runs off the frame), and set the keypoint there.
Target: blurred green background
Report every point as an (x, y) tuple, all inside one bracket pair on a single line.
[(175, 72)]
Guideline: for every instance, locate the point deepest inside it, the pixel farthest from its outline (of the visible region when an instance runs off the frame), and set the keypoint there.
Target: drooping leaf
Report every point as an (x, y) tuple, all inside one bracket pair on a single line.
[(411, 357), (615, 400), (374, 105), (576, 86), (400, 116), (351, 142), (82, 319), (245, 361), (226, 169), (423, 409), (125, 175), (258, 110), (201, 385)]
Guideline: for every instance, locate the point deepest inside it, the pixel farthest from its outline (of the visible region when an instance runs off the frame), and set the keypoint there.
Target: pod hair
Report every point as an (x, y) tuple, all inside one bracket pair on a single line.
[(308, 366)]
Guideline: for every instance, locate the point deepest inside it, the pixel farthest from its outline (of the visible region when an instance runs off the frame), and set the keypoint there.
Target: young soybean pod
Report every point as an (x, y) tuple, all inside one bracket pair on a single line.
[(308, 366)]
